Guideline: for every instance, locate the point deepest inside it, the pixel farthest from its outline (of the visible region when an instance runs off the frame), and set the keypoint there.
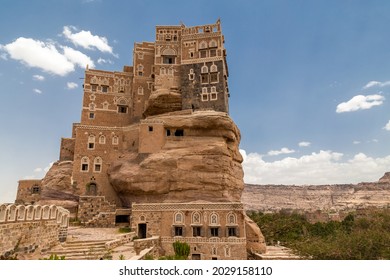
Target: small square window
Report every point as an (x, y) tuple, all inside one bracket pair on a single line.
[(91, 115), (213, 96), (205, 97), (94, 87), (36, 189), (205, 78), (97, 167), (104, 88), (150, 128), (91, 146), (84, 167)]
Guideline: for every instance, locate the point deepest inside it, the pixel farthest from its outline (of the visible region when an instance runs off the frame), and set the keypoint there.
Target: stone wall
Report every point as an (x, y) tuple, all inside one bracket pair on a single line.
[(96, 211), (27, 229), (29, 191)]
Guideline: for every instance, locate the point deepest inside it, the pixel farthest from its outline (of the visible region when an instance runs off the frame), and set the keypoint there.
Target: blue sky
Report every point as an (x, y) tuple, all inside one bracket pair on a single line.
[(309, 80)]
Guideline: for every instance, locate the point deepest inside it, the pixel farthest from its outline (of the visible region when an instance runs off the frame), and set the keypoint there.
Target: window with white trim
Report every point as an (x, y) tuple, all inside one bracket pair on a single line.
[(102, 139), (84, 164), (91, 142), (97, 164), (115, 140)]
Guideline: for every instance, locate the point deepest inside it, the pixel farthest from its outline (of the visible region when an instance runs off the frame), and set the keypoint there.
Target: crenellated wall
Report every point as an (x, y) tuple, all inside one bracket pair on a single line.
[(31, 228)]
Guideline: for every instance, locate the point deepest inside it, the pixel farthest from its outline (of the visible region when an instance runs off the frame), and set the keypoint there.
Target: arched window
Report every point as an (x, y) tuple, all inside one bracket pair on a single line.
[(91, 142), (92, 106), (204, 69), (196, 218), (85, 164), (213, 44), (140, 90), (214, 219), (203, 45), (213, 68), (115, 140), (97, 164), (140, 70), (191, 76), (102, 139), (231, 219), (179, 218)]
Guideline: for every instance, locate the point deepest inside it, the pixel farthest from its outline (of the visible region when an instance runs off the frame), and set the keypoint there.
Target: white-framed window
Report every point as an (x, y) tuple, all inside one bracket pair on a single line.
[(191, 76), (196, 218), (84, 164), (163, 71), (170, 71), (179, 218), (92, 106), (213, 44), (140, 90), (203, 45), (231, 219), (214, 219), (102, 139), (115, 140), (204, 69), (97, 164), (205, 97), (140, 70), (213, 68), (91, 142), (105, 105)]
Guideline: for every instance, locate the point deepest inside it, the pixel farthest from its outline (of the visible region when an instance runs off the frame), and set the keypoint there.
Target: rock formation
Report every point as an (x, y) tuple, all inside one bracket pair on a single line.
[(57, 188), (205, 163), (327, 198)]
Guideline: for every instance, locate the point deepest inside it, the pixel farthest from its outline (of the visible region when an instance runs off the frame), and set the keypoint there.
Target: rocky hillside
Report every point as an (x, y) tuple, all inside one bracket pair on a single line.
[(332, 198)]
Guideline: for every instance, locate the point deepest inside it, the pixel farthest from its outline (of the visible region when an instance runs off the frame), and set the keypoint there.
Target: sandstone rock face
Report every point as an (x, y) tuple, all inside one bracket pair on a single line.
[(163, 101), (385, 178), (322, 197), (255, 239), (203, 163), (57, 188)]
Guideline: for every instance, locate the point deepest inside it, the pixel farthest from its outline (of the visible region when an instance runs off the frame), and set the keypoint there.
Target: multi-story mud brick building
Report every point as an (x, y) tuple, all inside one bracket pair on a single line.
[(156, 149)]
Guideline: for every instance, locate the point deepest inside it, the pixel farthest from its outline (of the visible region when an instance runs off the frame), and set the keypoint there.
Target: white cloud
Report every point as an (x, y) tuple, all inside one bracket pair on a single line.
[(35, 53), (86, 40), (304, 144), (38, 169), (104, 61), (387, 126), (324, 167), (376, 84), (3, 55), (37, 91), (78, 57), (356, 142), (360, 102), (280, 152), (38, 77), (71, 85)]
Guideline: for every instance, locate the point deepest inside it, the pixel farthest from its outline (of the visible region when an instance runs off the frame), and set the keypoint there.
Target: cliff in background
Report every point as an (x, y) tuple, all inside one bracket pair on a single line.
[(312, 198)]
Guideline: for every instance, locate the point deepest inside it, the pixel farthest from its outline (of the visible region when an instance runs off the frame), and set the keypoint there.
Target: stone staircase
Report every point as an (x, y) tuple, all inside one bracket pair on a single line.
[(278, 253), (81, 250)]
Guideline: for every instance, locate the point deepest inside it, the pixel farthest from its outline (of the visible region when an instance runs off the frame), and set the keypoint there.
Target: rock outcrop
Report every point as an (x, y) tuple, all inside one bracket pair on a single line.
[(203, 163), (57, 187)]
